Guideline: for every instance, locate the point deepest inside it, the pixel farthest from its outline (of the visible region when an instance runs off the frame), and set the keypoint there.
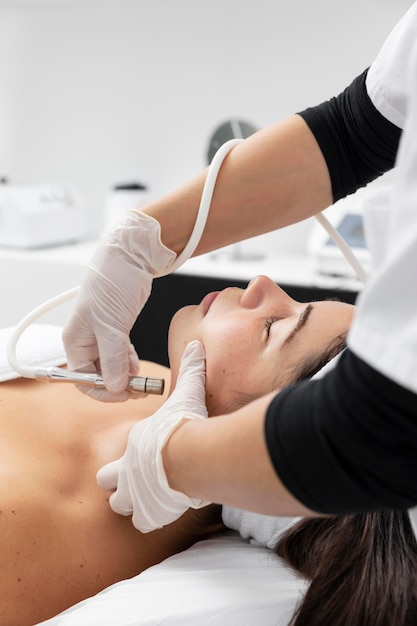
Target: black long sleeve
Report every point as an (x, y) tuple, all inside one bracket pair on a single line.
[(346, 443), (358, 143)]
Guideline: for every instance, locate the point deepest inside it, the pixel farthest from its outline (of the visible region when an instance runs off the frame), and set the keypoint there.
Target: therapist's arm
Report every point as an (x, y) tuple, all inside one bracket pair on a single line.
[(276, 177), (331, 442), (225, 459), (285, 173)]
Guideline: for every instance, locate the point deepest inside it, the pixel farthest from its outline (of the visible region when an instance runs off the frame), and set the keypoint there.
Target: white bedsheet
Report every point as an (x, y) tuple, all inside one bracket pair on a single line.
[(222, 581)]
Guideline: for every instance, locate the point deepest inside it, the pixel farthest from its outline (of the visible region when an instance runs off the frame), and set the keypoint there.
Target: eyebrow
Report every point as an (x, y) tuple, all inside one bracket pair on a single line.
[(300, 323)]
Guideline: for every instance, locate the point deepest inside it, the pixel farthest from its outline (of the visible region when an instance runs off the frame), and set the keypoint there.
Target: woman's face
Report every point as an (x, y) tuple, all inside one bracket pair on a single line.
[(254, 338)]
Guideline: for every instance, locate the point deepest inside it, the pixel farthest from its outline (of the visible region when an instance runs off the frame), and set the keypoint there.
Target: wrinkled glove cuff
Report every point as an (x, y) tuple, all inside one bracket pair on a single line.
[(193, 503)]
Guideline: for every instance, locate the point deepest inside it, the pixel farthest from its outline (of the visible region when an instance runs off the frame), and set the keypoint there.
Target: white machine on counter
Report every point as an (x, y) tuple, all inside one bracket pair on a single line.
[(35, 216)]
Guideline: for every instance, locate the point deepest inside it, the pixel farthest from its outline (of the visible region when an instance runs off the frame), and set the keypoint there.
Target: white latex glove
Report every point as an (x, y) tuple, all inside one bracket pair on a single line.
[(113, 293), (142, 486)]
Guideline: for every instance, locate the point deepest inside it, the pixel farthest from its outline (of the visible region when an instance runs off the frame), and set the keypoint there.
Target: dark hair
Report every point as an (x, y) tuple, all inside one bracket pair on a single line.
[(311, 364), (362, 569)]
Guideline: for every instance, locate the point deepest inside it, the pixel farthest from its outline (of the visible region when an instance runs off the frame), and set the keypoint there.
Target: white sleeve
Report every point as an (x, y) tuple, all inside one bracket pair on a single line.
[(387, 77), (384, 332)]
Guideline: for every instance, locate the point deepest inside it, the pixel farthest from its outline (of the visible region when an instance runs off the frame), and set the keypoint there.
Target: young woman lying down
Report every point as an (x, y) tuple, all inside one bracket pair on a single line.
[(59, 540)]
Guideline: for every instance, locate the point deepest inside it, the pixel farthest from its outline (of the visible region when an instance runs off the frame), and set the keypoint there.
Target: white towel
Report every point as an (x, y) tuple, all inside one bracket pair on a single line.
[(264, 530), (40, 344)]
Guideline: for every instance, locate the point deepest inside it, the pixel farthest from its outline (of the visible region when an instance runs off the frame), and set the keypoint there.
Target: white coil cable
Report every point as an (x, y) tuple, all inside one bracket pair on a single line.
[(205, 202), (30, 371)]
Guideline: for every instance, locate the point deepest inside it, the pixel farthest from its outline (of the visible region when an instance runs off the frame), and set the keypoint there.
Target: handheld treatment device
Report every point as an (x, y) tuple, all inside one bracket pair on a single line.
[(142, 384), (139, 383)]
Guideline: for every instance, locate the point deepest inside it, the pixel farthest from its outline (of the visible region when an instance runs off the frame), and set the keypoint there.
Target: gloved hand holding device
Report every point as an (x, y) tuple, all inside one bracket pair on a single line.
[(138, 476), (116, 287)]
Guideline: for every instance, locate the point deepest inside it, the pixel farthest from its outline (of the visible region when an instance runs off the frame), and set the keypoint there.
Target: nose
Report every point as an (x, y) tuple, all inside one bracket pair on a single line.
[(262, 290)]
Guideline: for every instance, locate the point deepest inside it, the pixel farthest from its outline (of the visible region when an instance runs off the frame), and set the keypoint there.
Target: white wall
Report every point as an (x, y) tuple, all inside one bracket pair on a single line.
[(97, 92)]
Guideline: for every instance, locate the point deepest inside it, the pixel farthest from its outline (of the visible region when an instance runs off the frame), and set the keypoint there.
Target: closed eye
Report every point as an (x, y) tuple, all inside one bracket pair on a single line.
[(268, 324), (300, 323)]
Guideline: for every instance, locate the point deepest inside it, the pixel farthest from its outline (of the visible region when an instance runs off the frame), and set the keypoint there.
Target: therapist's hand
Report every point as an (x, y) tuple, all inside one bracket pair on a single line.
[(142, 489), (115, 289)]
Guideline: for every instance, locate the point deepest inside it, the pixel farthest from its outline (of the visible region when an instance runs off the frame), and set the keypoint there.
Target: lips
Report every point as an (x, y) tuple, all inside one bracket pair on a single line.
[(208, 300)]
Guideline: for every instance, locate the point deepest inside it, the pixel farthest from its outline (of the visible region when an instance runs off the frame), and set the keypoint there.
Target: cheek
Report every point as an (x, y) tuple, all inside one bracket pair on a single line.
[(222, 346), (231, 365)]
